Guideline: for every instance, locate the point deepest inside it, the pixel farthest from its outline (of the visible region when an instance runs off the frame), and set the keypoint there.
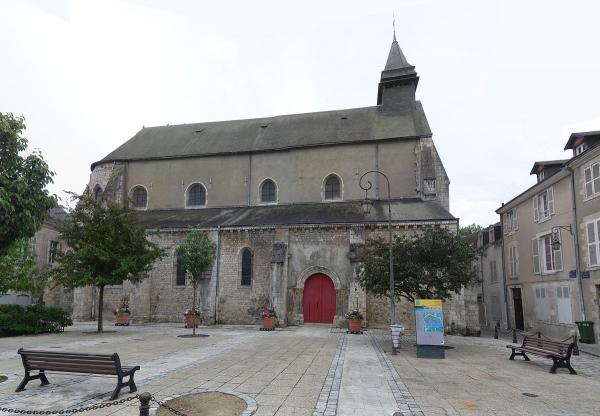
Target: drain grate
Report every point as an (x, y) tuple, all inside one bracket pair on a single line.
[(530, 395)]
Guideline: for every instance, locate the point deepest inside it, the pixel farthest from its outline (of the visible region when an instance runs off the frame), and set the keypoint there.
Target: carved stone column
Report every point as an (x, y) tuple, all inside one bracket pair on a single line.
[(279, 281)]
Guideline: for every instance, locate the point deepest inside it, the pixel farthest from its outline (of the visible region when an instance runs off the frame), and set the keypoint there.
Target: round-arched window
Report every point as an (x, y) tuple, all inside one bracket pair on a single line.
[(196, 195), (139, 197), (97, 192), (333, 188), (268, 191)]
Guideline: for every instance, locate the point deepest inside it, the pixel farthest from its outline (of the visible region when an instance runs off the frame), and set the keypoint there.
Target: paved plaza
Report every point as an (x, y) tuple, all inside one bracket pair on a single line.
[(307, 370)]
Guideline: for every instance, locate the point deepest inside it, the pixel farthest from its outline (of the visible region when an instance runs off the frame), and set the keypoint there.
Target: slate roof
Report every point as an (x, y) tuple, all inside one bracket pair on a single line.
[(404, 210), (271, 133), (574, 136), (544, 163)]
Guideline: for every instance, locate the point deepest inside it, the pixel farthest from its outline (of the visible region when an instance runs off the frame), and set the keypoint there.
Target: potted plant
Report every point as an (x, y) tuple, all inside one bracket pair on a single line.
[(268, 319), (192, 316), (355, 321), (122, 312)]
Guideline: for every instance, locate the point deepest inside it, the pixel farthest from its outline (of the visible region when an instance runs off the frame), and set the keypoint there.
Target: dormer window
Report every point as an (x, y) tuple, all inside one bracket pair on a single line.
[(541, 176), (580, 149)]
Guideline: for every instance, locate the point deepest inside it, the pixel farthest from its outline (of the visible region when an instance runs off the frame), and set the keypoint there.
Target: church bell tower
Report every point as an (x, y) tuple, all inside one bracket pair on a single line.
[(398, 82)]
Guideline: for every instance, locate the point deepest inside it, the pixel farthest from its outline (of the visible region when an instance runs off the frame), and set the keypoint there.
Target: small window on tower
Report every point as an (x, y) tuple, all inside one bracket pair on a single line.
[(429, 185)]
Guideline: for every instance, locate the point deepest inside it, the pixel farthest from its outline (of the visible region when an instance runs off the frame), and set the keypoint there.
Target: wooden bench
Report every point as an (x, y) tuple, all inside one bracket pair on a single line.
[(559, 352), (73, 362)]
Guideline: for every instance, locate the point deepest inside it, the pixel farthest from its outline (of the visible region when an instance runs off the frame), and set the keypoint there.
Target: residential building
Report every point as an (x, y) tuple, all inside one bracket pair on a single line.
[(550, 243), (491, 275)]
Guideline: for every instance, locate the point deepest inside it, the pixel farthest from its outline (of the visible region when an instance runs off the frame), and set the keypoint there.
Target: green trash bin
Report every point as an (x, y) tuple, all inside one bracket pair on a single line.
[(586, 331)]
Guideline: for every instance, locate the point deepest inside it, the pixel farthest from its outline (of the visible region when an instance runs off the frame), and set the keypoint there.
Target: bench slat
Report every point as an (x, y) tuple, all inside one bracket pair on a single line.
[(59, 361)]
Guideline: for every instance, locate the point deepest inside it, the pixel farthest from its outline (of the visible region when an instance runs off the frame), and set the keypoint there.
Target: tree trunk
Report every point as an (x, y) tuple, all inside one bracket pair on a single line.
[(195, 286), (100, 306)]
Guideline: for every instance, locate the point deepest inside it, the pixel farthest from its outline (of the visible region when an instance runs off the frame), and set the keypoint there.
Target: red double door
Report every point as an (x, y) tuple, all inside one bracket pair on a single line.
[(318, 301)]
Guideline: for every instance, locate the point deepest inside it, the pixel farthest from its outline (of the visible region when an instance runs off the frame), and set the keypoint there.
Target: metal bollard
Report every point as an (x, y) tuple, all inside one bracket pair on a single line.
[(576, 346), (495, 332), (145, 403), (539, 334), (514, 336)]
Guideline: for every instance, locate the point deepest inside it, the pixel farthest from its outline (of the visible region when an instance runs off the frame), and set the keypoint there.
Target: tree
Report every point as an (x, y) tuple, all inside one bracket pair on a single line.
[(106, 246), (431, 265), (18, 269), (469, 229), (196, 256), (24, 199)]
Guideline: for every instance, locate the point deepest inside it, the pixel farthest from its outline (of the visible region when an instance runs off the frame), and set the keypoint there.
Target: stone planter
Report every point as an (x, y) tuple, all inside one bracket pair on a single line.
[(122, 319), (268, 324), (191, 321), (355, 325)]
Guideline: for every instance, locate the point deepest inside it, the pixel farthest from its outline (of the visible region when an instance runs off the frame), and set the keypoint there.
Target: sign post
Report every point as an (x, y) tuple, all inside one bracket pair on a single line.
[(430, 328)]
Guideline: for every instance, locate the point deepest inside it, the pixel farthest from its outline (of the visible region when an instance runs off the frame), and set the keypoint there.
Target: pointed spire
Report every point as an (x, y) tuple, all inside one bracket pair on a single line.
[(396, 59)]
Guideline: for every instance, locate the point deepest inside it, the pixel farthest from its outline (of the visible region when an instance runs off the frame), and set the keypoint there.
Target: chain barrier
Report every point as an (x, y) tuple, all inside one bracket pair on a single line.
[(169, 408), (68, 411)]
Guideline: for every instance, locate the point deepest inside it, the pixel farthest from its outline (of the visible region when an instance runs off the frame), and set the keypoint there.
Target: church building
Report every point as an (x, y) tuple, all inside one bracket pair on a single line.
[(280, 198)]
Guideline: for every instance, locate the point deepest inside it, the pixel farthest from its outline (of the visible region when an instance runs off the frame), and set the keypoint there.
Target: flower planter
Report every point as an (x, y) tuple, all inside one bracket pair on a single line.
[(268, 324), (355, 325), (122, 319), (191, 321)]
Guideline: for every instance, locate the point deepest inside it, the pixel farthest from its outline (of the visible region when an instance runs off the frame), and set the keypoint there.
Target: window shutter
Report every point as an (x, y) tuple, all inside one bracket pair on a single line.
[(589, 190), (536, 214), (535, 246), (550, 201), (592, 243)]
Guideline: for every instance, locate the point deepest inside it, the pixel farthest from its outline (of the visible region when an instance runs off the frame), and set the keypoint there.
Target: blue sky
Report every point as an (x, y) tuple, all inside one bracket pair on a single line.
[(503, 83)]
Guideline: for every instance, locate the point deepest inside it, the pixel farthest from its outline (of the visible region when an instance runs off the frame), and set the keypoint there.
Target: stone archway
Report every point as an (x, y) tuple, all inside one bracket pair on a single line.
[(309, 271)]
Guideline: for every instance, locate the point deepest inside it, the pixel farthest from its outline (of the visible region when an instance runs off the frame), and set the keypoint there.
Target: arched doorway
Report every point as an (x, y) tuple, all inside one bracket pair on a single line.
[(318, 299)]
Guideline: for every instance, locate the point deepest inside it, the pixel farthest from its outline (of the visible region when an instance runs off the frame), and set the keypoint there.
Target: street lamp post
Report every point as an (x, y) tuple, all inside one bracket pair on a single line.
[(367, 204)]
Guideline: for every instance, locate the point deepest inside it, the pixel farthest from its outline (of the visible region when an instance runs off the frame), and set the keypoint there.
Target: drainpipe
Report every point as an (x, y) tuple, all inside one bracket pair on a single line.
[(576, 243), (508, 324), (216, 316)]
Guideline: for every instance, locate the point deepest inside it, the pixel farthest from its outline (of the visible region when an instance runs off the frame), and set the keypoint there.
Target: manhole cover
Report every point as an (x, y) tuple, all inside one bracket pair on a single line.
[(3, 379), (530, 395), (205, 404), (193, 336)]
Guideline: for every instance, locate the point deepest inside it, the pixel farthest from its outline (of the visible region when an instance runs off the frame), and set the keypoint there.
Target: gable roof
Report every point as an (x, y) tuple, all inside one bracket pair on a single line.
[(271, 133)]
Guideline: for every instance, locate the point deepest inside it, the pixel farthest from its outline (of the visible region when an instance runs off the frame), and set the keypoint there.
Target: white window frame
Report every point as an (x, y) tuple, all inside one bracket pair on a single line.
[(548, 211), (591, 184), (541, 176), (593, 244), (511, 223), (556, 257), (580, 149), (52, 253)]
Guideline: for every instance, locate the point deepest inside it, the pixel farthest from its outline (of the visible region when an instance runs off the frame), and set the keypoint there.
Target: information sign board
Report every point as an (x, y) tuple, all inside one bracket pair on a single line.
[(430, 321)]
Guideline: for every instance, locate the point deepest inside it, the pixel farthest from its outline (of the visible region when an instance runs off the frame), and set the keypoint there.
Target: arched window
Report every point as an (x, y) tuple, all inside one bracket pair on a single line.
[(268, 191), (246, 267), (333, 188), (97, 192), (139, 197), (196, 195)]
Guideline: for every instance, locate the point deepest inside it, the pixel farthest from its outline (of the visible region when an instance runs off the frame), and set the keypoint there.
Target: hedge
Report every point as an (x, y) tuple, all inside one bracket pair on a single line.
[(19, 320)]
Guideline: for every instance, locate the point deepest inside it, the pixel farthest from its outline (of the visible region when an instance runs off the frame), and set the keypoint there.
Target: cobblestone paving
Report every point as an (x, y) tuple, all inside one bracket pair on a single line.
[(328, 399), (405, 400)]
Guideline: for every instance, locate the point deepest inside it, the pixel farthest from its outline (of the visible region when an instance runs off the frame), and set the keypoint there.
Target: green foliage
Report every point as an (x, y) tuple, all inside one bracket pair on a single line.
[(18, 270), (24, 200), (469, 229), (18, 320), (196, 256), (107, 246), (431, 265)]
